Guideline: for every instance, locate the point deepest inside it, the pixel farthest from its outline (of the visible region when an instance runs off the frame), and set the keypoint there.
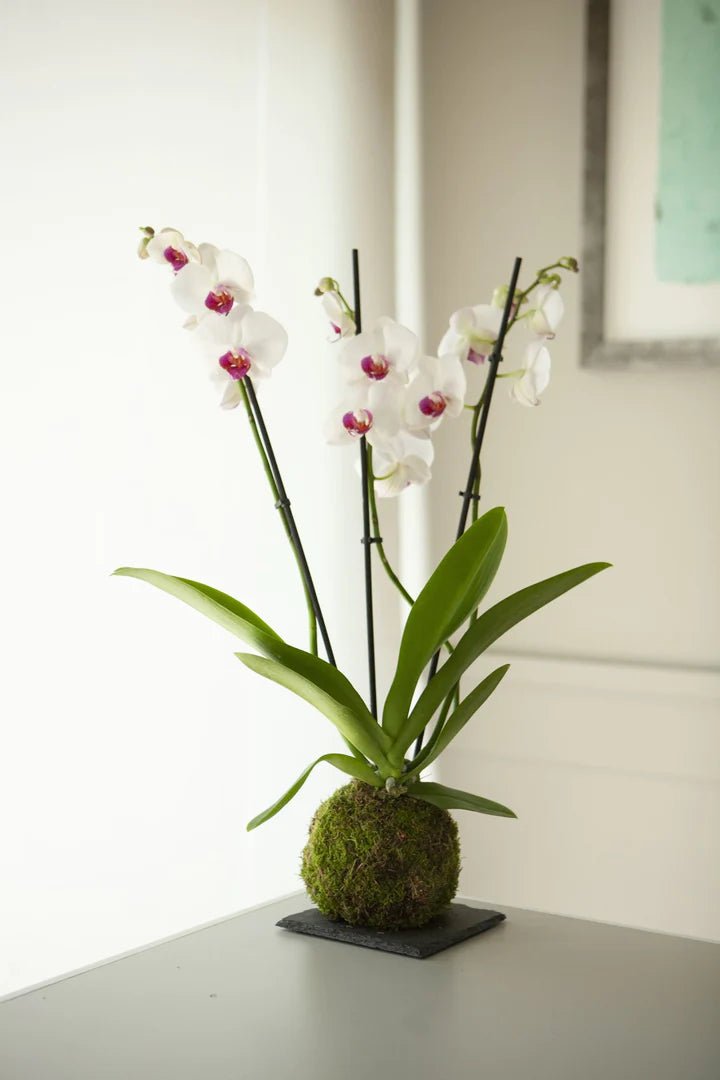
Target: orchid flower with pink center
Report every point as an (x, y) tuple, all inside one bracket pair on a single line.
[(385, 354), (437, 390), (374, 411), (170, 248), (529, 383), (472, 333), (341, 321), (545, 311), (245, 343), (348, 422), (213, 286), (400, 462)]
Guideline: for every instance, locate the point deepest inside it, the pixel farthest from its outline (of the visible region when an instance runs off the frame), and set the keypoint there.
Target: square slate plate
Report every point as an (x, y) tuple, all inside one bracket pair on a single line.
[(456, 924)]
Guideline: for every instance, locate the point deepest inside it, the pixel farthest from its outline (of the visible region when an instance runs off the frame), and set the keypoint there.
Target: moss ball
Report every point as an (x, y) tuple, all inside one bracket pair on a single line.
[(380, 859)]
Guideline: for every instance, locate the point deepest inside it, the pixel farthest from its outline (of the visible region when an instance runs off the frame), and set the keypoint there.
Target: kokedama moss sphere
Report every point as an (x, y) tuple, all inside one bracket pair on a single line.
[(379, 859)]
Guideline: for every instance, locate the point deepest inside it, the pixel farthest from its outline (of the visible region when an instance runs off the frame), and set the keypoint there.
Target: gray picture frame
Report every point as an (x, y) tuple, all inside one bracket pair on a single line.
[(596, 351)]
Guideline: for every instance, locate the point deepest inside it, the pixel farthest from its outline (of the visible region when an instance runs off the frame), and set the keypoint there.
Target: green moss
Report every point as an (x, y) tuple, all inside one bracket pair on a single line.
[(382, 860)]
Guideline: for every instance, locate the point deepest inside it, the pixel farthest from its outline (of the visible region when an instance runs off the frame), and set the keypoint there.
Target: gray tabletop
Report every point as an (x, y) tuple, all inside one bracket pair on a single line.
[(538, 998)]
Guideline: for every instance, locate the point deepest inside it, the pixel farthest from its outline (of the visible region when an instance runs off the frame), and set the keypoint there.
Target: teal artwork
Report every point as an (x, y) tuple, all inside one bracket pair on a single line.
[(688, 191)]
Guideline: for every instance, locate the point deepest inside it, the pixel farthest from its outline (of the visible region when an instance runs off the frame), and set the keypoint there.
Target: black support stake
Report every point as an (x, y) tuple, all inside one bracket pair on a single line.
[(284, 507), (366, 479)]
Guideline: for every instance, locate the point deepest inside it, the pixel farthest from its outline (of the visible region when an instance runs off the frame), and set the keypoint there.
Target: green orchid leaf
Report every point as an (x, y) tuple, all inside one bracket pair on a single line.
[(250, 628), (330, 680), (451, 799), (359, 728), (340, 761), (453, 591), (218, 606), (418, 762), (459, 718), (490, 626)]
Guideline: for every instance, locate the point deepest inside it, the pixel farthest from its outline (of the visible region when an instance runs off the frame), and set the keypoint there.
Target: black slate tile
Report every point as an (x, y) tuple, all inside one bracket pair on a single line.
[(458, 923)]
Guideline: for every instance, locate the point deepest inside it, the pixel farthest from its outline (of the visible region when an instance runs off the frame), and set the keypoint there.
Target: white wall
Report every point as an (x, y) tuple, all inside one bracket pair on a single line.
[(609, 751), (135, 748)]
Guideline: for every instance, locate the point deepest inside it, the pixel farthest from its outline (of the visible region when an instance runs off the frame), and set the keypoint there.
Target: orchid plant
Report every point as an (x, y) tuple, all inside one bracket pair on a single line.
[(393, 400)]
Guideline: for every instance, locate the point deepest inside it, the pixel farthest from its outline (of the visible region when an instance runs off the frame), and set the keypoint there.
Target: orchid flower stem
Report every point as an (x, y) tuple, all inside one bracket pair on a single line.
[(380, 545), (479, 435), (284, 505), (312, 621), (477, 408), (367, 481), (378, 540), (475, 510), (367, 540)]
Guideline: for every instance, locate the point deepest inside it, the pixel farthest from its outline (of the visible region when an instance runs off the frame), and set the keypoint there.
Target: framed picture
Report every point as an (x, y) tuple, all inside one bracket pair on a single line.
[(651, 245)]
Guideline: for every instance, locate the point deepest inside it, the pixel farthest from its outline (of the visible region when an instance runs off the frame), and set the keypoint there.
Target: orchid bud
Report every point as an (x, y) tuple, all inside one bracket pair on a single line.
[(326, 284), (148, 233), (499, 296), (569, 263), (553, 280)]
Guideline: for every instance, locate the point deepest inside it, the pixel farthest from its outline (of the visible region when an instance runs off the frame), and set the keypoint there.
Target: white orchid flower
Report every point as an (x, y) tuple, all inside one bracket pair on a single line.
[(214, 285), (385, 354), (534, 377), (437, 390), (342, 323), (375, 411), (400, 462), (472, 333), (245, 343), (546, 311), (169, 247), (347, 422)]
